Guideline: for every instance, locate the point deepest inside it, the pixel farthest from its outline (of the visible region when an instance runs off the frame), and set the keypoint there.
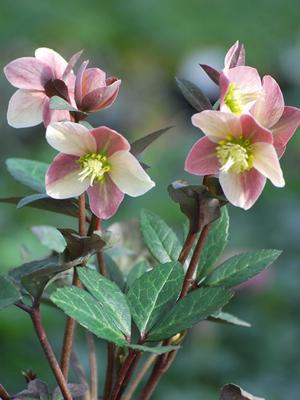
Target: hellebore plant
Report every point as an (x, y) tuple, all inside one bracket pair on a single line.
[(169, 286)]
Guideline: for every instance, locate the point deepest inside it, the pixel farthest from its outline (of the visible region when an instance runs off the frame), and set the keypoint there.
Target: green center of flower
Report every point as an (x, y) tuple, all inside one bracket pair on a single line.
[(93, 166), (235, 154), (236, 99)]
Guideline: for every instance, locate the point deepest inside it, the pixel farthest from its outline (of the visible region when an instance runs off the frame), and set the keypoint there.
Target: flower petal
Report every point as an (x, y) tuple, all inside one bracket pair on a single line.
[(235, 56), (269, 106), (285, 128), (79, 83), (128, 175), (109, 141), (245, 78), (217, 124), (242, 190), (202, 159), (256, 133), (54, 60), (101, 98), (28, 73), (51, 116), (62, 180), (267, 163), (25, 108), (93, 78), (70, 138), (105, 198)]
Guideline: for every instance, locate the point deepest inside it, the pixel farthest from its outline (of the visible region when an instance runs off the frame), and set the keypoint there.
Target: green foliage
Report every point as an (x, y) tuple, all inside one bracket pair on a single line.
[(226, 318), (50, 237), (136, 272), (155, 350), (30, 173), (151, 294), (240, 268), (9, 294), (113, 271), (58, 103), (194, 307), (108, 293), (215, 243), (159, 237)]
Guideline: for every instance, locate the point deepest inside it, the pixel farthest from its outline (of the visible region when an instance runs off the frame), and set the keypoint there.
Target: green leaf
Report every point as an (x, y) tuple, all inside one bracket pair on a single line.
[(194, 307), (155, 350), (44, 202), (50, 237), (30, 173), (92, 315), (136, 272), (215, 243), (240, 268), (151, 294), (58, 103), (226, 318), (159, 237), (108, 294), (113, 271), (9, 294), (137, 147), (194, 95)]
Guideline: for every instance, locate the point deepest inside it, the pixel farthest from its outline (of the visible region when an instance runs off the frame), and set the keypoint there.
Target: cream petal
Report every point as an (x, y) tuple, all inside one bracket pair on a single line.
[(70, 138), (62, 179), (128, 175), (109, 141), (54, 60), (25, 108), (216, 125), (267, 163)]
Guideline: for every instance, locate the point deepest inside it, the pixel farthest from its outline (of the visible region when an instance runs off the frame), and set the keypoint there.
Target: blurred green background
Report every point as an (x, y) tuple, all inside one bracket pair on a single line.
[(146, 43)]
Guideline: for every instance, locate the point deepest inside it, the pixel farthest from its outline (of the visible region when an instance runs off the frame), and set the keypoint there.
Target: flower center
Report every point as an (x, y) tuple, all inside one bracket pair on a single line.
[(235, 154), (94, 166), (236, 99)]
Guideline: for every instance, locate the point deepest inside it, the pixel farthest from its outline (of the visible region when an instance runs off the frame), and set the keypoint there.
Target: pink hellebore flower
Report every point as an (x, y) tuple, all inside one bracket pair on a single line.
[(98, 161), (240, 151), (93, 91), (38, 78), (243, 92)]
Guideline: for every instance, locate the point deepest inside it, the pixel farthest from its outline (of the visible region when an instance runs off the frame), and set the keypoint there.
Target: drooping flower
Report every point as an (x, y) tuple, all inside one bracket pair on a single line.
[(97, 161), (243, 92), (38, 79), (93, 90), (239, 151)]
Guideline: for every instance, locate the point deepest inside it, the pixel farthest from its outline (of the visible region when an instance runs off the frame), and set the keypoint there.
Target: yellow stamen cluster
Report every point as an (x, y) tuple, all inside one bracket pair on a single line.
[(94, 166), (235, 154), (236, 99)]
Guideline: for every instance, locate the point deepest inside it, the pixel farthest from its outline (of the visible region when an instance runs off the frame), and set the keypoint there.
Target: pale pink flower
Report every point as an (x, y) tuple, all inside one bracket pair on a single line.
[(239, 151), (243, 92), (93, 90), (97, 161), (38, 79)]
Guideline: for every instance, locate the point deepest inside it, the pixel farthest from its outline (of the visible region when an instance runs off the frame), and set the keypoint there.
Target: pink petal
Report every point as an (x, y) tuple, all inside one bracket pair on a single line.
[(216, 125), (267, 163), (242, 190), (79, 83), (105, 198), (51, 116), (285, 128), (28, 73), (54, 60), (269, 107), (62, 180), (245, 78), (93, 78), (101, 98), (256, 133), (25, 108), (202, 159), (109, 141), (70, 138), (235, 56), (127, 173)]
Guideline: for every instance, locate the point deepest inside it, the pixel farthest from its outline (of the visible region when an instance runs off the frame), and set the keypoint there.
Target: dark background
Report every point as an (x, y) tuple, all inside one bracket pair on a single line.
[(146, 43)]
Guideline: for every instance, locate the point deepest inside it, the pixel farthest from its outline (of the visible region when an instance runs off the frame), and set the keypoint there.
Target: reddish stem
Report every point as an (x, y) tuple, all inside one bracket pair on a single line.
[(109, 370), (117, 391), (187, 246), (4, 395)]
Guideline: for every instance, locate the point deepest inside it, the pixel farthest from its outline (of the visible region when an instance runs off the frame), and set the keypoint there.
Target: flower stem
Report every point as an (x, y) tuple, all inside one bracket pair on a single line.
[(4, 395), (127, 366), (70, 325), (93, 366), (187, 246), (109, 370), (37, 323)]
